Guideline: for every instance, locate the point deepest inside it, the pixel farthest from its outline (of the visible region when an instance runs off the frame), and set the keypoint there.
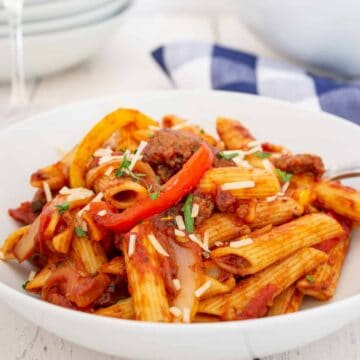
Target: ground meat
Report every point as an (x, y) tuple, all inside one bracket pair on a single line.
[(23, 213), (168, 150), (221, 162), (301, 163), (224, 201), (206, 207)]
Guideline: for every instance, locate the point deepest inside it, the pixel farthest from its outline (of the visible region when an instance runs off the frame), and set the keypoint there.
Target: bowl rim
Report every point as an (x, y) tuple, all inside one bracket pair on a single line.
[(321, 310)]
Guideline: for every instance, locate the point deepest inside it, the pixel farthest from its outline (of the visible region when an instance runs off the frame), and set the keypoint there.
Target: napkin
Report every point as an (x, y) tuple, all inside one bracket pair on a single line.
[(196, 65)]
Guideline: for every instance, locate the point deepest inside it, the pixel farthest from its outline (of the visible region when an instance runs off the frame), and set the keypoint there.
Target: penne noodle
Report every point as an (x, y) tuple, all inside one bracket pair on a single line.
[(11, 241), (217, 287), (339, 198), (258, 183), (222, 227), (322, 282), (94, 231), (146, 284), (277, 244), (279, 211), (91, 254), (233, 133), (252, 296), (61, 242), (115, 266), (204, 318), (120, 192), (123, 309), (287, 302), (36, 284)]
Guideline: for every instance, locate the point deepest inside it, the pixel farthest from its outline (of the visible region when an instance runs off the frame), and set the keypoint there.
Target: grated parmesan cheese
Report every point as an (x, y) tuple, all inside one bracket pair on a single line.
[(32, 274), (155, 243), (137, 155), (109, 158), (103, 152), (218, 243), (177, 284), (186, 315), (109, 171), (238, 185), (175, 311), (195, 210), (84, 226), (254, 143), (206, 239), (253, 150), (285, 187), (47, 191), (271, 198), (180, 222), (202, 289), (180, 126), (155, 128), (240, 243), (196, 240), (132, 240), (267, 165), (240, 162), (179, 233), (102, 212), (76, 193), (97, 198)]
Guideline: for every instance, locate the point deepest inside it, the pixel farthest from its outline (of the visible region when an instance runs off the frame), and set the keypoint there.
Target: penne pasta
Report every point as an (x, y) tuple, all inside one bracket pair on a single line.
[(252, 296), (246, 183), (287, 302), (36, 284), (91, 254), (123, 309), (120, 192), (115, 266), (233, 133), (222, 227), (217, 287), (339, 198), (322, 282), (276, 244), (11, 241), (146, 284)]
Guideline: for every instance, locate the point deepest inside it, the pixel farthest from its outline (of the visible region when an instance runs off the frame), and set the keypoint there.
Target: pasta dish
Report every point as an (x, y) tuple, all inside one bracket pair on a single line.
[(162, 222)]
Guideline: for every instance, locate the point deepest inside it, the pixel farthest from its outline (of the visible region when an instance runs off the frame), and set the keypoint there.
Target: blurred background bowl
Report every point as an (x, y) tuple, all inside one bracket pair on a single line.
[(50, 52), (322, 33), (41, 10), (92, 15)]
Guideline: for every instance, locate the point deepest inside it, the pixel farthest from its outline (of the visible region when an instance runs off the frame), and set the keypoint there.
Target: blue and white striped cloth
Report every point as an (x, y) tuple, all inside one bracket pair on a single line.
[(191, 65)]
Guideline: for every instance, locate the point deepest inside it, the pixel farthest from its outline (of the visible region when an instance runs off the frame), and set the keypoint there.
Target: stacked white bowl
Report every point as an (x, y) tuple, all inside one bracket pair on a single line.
[(59, 34)]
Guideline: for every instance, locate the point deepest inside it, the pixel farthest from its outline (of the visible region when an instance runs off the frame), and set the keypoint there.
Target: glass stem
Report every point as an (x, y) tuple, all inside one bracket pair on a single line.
[(18, 96)]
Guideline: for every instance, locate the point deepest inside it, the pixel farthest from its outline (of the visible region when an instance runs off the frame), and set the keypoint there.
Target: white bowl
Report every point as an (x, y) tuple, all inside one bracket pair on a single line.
[(300, 130), (104, 11), (58, 10), (46, 54), (322, 33)]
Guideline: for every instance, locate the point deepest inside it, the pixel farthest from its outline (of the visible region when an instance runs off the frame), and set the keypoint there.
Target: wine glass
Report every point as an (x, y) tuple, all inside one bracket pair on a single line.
[(18, 97)]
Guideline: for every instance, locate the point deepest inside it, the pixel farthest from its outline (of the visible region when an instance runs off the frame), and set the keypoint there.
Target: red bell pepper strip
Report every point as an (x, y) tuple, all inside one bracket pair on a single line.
[(173, 191)]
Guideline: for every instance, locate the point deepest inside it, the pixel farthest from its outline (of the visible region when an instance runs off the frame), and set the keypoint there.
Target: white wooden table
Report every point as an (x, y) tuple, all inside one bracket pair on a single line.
[(125, 65)]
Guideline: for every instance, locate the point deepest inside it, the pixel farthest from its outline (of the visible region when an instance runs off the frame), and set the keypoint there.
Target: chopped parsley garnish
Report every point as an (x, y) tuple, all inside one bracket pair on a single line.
[(202, 131), (80, 232), (227, 156), (262, 154), (150, 135), (25, 284), (153, 195), (283, 175), (62, 207), (310, 279), (121, 170), (186, 209)]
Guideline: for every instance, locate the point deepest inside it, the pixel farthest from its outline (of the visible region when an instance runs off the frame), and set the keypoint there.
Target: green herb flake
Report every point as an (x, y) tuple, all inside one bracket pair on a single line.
[(150, 135), (121, 170), (310, 279), (62, 207), (283, 175), (154, 196), (189, 221), (80, 232), (25, 284), (202, 131), (262, 154), (227, 156)]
